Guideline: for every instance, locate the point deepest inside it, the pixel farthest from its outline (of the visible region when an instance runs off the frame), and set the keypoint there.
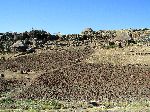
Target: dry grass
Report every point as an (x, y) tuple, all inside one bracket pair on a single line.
[(123, 56), (10, 55), (61, 106), (18, 75)]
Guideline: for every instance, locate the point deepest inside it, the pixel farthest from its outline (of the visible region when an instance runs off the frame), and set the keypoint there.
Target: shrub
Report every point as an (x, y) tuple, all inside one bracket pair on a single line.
[(7, 101)]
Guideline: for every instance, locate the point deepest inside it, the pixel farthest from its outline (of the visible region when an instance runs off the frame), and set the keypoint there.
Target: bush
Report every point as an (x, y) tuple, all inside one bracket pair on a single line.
[(56, 105), (7, 101), (111, 46)]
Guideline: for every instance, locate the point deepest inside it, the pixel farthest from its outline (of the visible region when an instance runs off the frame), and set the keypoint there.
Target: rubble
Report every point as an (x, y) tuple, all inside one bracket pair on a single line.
[(41, 39)]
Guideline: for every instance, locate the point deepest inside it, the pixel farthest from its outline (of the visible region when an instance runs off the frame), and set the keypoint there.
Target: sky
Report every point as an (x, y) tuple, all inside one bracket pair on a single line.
[(72, 16)]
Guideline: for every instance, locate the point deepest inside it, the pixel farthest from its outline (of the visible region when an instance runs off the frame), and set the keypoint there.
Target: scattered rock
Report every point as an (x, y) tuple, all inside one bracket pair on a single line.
[(94, 103)]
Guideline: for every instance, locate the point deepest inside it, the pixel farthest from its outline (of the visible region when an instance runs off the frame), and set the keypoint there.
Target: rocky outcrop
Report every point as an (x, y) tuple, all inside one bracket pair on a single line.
[(42, 39)]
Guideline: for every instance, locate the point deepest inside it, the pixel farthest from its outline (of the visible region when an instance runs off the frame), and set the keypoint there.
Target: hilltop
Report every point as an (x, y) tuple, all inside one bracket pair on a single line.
[(35, 39)]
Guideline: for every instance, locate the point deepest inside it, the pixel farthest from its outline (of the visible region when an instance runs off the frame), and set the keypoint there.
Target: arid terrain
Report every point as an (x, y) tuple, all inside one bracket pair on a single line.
[(77, 78)]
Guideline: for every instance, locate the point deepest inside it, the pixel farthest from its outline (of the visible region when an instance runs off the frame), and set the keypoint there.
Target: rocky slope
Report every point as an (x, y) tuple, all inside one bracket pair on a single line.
[(65, 75)]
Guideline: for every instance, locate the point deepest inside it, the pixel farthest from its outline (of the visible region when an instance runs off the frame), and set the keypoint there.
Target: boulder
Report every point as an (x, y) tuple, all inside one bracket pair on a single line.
[(19, 46), (122, 36), (86, 31), (30, 50)]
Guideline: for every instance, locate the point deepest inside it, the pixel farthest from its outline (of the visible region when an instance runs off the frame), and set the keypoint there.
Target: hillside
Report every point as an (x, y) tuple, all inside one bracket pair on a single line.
[(99, 71)]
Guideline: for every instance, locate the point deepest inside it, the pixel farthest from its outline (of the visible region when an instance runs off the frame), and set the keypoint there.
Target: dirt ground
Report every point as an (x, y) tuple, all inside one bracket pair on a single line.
[(85, 74), (137, 55)]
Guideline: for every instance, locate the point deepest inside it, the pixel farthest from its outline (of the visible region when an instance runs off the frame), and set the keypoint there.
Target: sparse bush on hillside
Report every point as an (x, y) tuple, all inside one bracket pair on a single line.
[(131, 41), (1, 47), (110, 45)]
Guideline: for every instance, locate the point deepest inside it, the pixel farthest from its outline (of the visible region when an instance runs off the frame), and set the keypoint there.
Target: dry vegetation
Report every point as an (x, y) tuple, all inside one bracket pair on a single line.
[(95, 71), (139, 55), (85, 74)]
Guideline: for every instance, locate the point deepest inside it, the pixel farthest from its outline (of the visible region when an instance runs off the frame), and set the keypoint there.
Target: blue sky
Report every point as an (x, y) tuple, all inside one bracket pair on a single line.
[(72, 16)]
